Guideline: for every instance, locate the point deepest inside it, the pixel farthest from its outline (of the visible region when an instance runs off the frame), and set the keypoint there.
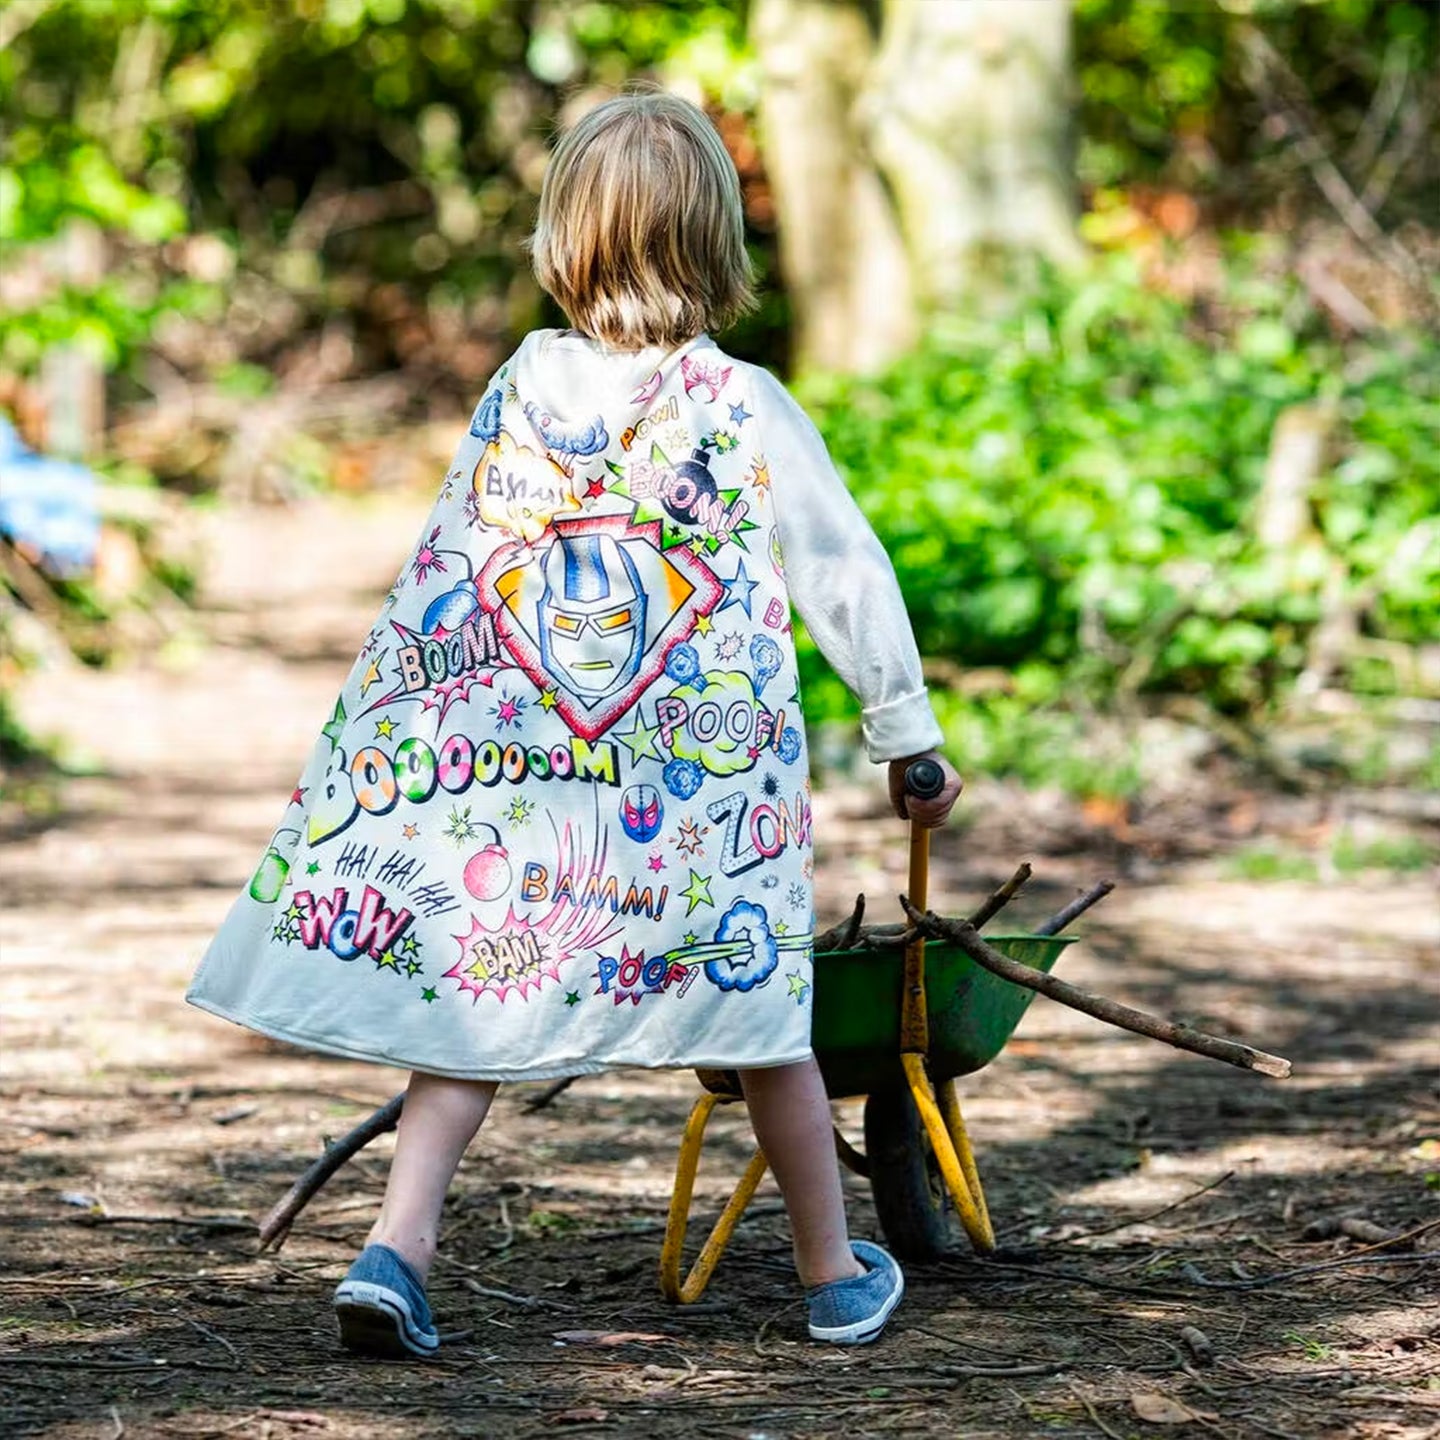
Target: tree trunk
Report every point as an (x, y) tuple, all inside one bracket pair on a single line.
[(840, 247), (895, 164)]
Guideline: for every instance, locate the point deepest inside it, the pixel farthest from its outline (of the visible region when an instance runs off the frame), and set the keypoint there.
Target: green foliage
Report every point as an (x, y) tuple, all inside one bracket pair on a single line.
[(1164, 95), (1067, 490), (366, 158), (1272, 862)]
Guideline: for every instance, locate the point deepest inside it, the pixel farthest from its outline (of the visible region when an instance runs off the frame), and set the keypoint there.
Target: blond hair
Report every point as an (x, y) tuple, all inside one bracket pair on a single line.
[(640, 237)]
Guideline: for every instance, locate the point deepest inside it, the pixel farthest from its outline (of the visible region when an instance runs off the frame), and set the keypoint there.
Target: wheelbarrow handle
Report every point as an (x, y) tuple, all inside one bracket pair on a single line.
[(924, 779)]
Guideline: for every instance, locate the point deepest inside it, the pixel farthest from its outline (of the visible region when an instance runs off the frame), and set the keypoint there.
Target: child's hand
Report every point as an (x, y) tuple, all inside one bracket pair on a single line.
[(931, 812)]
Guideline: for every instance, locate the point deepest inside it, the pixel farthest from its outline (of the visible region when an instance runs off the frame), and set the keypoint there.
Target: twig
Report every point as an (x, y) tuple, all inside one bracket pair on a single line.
[(842, 936), (1002, 897), (198, 1222), (1182, 1037), (1094, 1415), (1258, 1282), (540, 1101), (510, 1297), (1384, 106), (210, 1334), (1163, 1210), (276, 1224), (1267, 61), (1076, 908), (975, 1372)]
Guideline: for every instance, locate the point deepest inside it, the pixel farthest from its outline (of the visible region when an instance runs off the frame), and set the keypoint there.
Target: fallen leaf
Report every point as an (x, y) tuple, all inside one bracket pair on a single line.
[(607, 1337), (1160, 1409)]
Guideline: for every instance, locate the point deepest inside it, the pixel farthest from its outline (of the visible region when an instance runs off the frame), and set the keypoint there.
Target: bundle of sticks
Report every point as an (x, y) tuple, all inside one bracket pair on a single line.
[(850, 934)]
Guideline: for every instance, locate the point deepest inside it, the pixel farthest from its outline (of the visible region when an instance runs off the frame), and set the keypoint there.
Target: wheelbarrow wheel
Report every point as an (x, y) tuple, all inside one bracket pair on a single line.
[(910, 1195)]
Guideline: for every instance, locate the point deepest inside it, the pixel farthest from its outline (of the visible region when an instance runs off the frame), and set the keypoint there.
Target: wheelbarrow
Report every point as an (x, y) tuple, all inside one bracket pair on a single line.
[(897, 1028)]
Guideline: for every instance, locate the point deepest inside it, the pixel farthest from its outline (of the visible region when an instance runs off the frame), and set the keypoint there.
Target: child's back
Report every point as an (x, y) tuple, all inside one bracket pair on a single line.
[(559, 818)]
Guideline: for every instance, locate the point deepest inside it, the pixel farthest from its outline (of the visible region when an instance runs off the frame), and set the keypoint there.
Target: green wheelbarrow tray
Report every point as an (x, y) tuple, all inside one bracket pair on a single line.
[(855, 1030)]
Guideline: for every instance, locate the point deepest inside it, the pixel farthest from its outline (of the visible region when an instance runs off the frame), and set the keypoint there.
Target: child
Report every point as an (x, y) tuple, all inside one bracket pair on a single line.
[(559, 819)]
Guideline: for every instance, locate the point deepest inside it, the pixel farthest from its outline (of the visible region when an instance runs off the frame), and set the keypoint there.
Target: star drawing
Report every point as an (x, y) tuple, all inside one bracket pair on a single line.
[(738, 590), (427, 558), (639, 739), (459, 827), (698, 892), (509, 711), (335, 726)]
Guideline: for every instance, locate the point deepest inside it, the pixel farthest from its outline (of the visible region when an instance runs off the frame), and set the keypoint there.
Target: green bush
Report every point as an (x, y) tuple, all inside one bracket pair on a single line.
[(1067, 490)]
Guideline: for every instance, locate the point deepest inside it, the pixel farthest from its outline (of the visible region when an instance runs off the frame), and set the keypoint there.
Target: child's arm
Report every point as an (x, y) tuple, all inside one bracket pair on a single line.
[(842, 582)]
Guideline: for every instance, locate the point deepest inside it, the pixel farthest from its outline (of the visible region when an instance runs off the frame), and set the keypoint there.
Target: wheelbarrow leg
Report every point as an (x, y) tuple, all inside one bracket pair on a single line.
[(972, 1214), (692, 1287), (949, 1100)]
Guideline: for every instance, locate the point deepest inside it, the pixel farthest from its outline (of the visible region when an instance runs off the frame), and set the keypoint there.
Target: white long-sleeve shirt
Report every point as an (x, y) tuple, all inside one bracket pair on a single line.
[(842, 582)]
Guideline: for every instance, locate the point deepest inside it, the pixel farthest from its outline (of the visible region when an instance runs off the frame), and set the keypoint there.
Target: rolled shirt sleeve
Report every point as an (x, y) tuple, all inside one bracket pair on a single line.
[(842, 582)]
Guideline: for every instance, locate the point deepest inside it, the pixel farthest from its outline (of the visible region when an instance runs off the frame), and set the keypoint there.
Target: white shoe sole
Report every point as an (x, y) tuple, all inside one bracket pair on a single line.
[(862, 1332), (375, 1320)]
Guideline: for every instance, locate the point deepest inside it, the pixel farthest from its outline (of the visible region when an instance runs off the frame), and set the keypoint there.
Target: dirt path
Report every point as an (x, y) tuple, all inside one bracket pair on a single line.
[(1137, 1191)]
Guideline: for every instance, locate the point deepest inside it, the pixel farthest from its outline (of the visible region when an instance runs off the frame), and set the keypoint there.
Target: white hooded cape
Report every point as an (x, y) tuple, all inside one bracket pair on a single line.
[(559, 818)]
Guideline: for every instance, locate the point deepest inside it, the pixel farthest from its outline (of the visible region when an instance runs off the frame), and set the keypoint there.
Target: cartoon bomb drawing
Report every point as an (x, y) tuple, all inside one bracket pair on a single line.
[(592, 615), (487, 872), (641, 813)]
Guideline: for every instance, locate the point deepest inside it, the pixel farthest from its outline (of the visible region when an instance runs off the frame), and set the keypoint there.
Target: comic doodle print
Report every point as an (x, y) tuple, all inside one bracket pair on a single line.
[(564, 787)]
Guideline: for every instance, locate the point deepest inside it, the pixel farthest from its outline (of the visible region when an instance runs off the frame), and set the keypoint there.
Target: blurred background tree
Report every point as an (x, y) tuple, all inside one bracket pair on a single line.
[(897, 157), (1140, 297)]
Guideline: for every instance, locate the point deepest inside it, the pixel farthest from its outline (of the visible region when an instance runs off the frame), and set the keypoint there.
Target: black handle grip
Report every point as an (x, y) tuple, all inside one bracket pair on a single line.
[(924, 779)]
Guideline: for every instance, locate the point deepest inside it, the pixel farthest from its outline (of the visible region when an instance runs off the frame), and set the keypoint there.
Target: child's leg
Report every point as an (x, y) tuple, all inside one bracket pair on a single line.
[(439, 1120), (791, 1115)]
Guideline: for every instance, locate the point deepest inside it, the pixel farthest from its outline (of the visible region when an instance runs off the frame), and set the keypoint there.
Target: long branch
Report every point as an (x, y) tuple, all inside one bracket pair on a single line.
[(1183, 1037), (276, 1225)]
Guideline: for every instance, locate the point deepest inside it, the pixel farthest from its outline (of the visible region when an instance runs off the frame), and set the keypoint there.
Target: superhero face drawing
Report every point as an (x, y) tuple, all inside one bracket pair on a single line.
[(641, 813), (592, 615)]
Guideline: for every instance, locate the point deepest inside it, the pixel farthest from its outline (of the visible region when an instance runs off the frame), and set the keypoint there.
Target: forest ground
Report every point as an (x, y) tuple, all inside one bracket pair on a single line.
[(1137, 1190)]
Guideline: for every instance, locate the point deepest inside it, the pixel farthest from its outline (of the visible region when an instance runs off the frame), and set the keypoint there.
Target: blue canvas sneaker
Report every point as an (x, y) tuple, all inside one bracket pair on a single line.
[(382, 1308), (854, 1311)]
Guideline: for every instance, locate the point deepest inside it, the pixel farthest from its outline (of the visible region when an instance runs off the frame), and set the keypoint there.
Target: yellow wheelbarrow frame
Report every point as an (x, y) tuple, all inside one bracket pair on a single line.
[(937, 1105)]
